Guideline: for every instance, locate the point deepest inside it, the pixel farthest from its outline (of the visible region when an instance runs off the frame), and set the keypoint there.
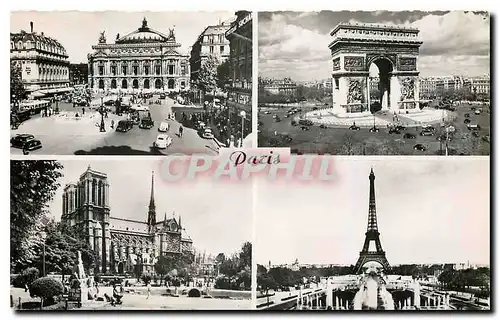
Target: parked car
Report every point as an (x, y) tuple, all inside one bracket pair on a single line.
[(467, 121), (20, 140), (394, 131), (409, 136), (286, 138), (146, 123), (304, 128), (110, 102), (426, 133), (374, 129), (163, 141), (164, 127), (477, 112), (475, 134), (322, 126), (294, 123), (277, 119), (32, 144), (305, 122), (140, 107), (124, 125), (354, 127), (473, 127), (486, 138), (207, 134), (419, 147), (467, 115), (400, 127)]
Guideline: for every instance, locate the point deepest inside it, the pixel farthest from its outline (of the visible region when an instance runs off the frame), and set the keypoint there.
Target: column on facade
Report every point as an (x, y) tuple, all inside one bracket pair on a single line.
[(86, 191), (107, 243), (367, 100), (90, 233), (329, 297), (98, 245), (122, 251), (337, 302), (408, 302)]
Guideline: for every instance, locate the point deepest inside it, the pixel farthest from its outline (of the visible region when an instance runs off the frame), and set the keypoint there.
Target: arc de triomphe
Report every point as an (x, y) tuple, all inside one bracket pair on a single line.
[(393, 49)]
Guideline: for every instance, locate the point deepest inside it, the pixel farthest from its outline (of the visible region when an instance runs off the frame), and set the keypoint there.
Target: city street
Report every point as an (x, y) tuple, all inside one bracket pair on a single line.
[(66, 136)]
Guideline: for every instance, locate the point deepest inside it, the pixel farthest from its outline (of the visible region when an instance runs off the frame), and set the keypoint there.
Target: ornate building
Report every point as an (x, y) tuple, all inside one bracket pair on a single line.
[(240, 42), (284, 86), (122, 245), (43, 62), (393, 49), (211, 42), (144, 60)]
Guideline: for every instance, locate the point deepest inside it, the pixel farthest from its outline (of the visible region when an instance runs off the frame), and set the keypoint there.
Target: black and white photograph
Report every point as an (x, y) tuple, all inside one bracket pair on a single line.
[(387, 234), (116, 235), (375, 82), (130, 83)]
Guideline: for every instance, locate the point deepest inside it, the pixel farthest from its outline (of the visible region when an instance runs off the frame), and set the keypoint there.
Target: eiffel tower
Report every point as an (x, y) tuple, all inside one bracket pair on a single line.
[(372, 234)]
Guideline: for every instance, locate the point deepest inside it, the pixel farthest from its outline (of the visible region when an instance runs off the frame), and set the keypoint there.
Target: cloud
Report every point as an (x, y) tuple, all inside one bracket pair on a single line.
[(455, 33), (283, 44), (295, 44)]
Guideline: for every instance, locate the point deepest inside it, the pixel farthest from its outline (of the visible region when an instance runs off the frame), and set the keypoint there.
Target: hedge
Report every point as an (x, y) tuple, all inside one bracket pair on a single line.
[(46, 288)]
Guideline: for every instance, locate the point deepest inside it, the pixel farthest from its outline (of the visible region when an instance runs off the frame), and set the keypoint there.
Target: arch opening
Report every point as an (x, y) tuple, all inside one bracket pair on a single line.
[(380, 72)]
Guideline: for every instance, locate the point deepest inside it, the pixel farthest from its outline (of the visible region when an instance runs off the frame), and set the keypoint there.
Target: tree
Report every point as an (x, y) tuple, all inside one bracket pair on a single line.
[(245, 256), (62, 245), (33, 185), (207, 77), (165, 264), (223, 74), (16, 85)]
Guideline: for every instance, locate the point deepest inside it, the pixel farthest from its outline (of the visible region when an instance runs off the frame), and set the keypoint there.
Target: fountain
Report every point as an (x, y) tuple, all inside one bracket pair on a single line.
[(373, 295)]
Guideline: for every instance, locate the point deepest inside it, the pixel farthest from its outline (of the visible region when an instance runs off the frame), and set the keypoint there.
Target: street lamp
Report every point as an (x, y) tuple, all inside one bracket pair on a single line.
[(242, 115), (102, 128)]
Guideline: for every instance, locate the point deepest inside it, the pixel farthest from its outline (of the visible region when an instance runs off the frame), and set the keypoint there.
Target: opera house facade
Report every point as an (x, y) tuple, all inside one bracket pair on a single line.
[(144, 60)]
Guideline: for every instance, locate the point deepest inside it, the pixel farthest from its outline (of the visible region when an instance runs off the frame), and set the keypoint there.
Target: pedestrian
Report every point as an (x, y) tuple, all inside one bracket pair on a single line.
[(181, 130), (83, 111), (112, 123), (149, 289)]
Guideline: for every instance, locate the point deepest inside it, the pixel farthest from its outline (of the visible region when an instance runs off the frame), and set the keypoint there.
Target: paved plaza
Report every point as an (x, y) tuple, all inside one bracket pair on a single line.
[(140, 301), (336, 138), (64, 134)]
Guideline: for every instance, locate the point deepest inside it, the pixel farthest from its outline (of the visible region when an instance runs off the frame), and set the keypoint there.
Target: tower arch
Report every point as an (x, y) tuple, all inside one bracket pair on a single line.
[(394, 50)]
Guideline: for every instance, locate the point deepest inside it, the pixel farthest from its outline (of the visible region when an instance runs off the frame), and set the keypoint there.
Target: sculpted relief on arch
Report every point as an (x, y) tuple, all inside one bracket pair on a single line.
[(407, 88), (354, 63), (355, 91)]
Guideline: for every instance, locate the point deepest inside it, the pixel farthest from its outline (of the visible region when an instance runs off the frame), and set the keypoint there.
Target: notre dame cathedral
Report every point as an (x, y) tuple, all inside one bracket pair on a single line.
[(120, 244)]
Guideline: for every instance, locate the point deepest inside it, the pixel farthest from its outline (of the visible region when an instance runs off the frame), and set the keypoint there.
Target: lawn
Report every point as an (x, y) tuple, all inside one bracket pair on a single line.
[(342, 141)]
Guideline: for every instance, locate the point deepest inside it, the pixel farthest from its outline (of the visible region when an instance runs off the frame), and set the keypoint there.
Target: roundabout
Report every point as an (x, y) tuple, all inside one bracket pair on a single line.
[(418, 118)]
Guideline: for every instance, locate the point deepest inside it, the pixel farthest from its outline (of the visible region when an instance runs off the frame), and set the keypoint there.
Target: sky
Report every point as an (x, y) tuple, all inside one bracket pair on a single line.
[(295, 44), (213, 223), (429, 210), (78, 31)]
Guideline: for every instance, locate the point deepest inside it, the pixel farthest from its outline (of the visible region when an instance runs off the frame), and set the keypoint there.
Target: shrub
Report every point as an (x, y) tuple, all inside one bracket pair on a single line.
[(46, 288), (30, 275), (146, 278), (18, 281), (223, 283)]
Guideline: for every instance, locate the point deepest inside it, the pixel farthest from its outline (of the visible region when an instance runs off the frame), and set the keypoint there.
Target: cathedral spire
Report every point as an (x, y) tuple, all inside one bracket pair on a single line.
[(152, 207)]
